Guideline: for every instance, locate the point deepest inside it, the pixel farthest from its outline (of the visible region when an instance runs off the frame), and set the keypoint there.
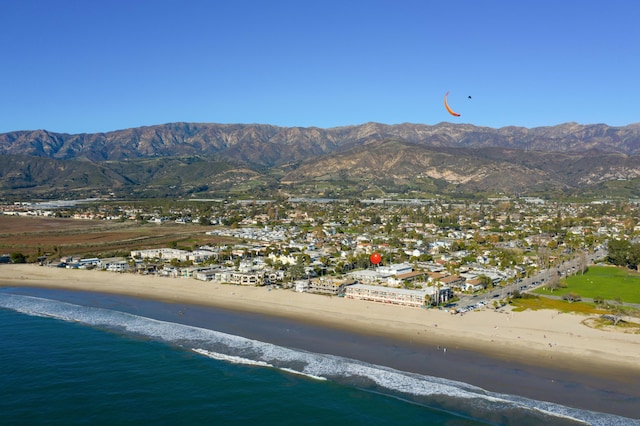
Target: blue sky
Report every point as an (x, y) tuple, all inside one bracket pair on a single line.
[(95, 66)]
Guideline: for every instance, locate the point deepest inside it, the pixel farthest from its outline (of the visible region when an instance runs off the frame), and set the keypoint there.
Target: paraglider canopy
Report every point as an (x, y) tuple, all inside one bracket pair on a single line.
[(375, 258), (446, 105)]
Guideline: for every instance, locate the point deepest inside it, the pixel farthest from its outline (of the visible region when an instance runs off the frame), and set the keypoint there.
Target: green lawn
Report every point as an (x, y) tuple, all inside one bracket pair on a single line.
[(607, 282)]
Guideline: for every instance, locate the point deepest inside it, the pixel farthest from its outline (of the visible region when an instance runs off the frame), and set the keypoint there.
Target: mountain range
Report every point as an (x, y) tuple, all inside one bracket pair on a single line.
[(372, 159)]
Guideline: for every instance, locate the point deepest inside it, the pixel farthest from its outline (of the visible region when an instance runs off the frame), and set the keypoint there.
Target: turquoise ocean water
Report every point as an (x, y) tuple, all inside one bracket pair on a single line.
[(64, 363)]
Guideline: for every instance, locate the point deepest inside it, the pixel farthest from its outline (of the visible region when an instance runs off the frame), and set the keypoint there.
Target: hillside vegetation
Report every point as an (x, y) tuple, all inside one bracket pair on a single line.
[(372, 159)]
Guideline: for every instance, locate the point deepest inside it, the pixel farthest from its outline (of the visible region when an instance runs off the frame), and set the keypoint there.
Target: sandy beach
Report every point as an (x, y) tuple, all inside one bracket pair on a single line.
[(544, 338)]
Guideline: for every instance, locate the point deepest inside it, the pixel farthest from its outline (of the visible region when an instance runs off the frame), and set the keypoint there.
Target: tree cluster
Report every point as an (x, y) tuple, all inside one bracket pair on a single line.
[(624, 253)]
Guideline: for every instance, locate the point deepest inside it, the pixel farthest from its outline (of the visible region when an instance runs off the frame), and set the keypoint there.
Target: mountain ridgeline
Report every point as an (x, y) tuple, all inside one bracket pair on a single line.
[(372, 159)]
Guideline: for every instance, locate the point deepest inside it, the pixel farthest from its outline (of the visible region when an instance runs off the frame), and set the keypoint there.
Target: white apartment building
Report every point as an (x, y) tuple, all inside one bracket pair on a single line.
[(397, 296)]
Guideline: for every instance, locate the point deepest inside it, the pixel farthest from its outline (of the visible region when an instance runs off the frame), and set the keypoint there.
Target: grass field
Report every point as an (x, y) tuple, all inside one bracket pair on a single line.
[(607, 282)]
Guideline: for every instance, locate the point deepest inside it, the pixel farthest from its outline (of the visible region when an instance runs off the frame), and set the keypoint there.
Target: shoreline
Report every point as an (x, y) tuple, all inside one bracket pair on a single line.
[(541, 338)]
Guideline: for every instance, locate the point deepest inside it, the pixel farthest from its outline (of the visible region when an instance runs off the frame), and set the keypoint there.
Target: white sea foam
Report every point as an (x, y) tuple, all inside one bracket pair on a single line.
[(246, 361), (240, 350), (301, 373), (231, 358)]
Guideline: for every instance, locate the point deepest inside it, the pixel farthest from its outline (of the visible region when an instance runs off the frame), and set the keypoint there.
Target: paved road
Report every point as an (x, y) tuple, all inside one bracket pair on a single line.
[(590, 300), (527, 284)]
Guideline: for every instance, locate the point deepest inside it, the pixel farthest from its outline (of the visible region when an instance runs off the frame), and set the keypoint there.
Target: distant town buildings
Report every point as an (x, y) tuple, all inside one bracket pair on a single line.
[(433, 250)]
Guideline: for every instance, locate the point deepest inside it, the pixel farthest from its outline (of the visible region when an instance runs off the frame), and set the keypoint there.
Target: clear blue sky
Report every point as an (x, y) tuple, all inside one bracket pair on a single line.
[(94, 66)]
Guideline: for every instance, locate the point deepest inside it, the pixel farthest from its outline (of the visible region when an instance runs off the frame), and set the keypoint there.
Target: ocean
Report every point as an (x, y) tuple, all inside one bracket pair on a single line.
[(88, 359)]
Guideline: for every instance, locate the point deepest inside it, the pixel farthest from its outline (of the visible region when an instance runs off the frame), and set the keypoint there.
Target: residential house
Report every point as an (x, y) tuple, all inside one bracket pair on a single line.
[(301, 286), (248, 278), (328, 286), (206, 274), (473, 285), (453, 281), (114, 264)]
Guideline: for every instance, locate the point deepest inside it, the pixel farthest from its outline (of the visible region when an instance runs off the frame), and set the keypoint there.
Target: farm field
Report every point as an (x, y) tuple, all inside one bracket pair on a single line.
[(607, 282), (34, 236)]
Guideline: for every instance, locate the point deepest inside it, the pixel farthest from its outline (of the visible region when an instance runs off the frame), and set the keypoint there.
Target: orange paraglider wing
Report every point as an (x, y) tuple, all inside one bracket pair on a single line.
[(446, 105)]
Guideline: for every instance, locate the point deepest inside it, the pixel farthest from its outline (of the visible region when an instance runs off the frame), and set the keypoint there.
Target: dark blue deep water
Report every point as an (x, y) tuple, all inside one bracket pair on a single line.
[(63, 363)]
